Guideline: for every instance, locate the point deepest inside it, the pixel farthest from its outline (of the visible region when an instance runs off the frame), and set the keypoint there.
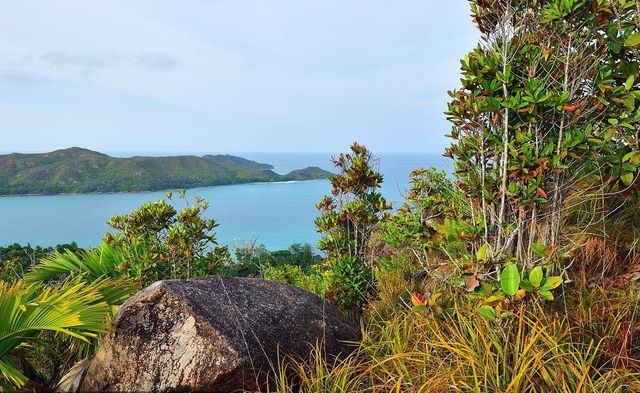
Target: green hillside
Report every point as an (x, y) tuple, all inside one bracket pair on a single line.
[(78, 170)]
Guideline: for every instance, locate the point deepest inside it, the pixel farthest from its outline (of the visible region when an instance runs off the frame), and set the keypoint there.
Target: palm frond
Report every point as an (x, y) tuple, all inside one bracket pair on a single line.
[(103, 261), (74, 309)]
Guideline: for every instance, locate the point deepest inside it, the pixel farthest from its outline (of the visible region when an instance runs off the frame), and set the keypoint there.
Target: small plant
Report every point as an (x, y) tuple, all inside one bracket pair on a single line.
[(496, 296)]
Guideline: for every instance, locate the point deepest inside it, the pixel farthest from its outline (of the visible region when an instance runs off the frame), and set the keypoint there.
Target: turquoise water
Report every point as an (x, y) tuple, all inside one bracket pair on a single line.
[(275, 214)]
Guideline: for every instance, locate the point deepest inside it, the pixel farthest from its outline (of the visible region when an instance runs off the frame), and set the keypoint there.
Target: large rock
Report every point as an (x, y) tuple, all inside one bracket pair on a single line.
[(214, 334)]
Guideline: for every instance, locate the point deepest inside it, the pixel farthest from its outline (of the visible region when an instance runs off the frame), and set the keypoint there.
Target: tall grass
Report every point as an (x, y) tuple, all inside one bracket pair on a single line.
[(535, 350)]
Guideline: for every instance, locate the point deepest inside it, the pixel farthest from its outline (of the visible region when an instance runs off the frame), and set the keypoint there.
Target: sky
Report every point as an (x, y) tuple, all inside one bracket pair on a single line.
[(229, 75)]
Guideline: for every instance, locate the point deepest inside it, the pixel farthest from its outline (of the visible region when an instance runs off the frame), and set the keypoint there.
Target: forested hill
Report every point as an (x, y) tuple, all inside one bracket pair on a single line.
[(77, 170)]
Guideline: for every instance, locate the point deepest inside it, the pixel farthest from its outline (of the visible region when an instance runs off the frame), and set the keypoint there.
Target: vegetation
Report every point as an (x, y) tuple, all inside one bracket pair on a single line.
[(253, 260), (77, 170), (346, 221), (16, 260), (517, 274)]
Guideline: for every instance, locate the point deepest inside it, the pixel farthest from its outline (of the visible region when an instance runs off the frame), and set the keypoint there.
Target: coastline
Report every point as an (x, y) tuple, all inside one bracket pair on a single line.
[(156, 190)]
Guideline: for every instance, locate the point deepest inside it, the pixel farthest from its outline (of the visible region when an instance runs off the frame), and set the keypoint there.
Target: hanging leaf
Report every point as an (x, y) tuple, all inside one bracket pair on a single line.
[(535, 276), (510, 279), (481, 255), (487, 312), (542, 193)]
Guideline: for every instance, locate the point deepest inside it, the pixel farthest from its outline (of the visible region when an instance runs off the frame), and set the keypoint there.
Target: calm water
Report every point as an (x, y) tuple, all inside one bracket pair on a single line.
[(275, 214)]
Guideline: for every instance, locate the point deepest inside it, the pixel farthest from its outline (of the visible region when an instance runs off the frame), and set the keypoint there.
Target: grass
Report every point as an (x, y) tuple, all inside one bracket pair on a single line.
[(535, 350)]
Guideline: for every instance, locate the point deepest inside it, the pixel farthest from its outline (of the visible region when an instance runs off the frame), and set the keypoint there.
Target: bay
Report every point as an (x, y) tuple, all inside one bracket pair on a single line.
[(274, 214)]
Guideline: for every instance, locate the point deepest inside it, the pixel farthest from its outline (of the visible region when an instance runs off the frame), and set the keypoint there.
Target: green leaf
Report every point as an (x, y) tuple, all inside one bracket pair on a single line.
[(628, 156), (486, 288), (481, 255), (487, 312), (633, 40), (551, 283), (627, 178), (539, 249), (493, 299), (535, 276), (546, 294), (526, 285), (419, 308), (510, 279), (629, 83)]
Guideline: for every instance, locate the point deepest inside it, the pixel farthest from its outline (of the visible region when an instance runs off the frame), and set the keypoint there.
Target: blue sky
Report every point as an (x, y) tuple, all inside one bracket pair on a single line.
[(229, 76)]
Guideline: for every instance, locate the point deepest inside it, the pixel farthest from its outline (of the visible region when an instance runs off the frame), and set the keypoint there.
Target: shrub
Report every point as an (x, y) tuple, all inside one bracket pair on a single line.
[(166, 243), (346, 221)]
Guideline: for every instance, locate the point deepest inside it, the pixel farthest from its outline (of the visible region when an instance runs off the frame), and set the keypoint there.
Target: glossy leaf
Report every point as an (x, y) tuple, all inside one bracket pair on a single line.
[(551, 283), (510, 279)]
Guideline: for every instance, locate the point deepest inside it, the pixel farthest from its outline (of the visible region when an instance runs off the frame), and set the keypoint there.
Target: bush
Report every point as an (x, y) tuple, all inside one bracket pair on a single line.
[(166, 243)]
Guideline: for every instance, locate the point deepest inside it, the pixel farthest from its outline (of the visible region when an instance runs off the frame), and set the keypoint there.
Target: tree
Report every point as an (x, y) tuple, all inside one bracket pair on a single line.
[(346, 222), (547, 98)]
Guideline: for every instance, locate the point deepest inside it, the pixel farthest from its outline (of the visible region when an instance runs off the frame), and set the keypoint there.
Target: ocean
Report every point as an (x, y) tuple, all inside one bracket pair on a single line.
[(274, 214)]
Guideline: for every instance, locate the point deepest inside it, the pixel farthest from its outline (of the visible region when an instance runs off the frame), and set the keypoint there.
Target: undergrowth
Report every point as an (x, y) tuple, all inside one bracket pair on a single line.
[(537, 349)]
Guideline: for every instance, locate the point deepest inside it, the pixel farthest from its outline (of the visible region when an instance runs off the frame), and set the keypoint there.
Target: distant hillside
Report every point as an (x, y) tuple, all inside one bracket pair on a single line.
[(78, 170)]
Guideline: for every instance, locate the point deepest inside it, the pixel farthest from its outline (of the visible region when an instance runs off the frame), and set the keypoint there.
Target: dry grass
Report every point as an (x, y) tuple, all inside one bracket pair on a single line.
[(457, 351)]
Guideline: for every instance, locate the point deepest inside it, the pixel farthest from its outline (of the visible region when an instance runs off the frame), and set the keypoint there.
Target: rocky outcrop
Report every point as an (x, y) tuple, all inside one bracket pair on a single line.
[(214, 334)]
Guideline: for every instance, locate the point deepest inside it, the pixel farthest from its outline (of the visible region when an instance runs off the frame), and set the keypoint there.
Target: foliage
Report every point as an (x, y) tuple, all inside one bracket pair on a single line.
[(538, 350), (315, 279), (162, 242), (252, 260), (77, 170), (77, 310), (16, 260), (346, 221), (548, 97), (431, 199), (92, 264)]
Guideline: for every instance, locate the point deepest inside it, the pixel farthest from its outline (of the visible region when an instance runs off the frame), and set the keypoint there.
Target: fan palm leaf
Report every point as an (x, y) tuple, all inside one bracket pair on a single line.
[(95, 263), (74, 309)]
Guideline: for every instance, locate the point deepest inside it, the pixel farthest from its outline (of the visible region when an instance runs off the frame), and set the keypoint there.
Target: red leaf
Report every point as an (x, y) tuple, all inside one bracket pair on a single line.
[(472, 283), (542, 193)]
